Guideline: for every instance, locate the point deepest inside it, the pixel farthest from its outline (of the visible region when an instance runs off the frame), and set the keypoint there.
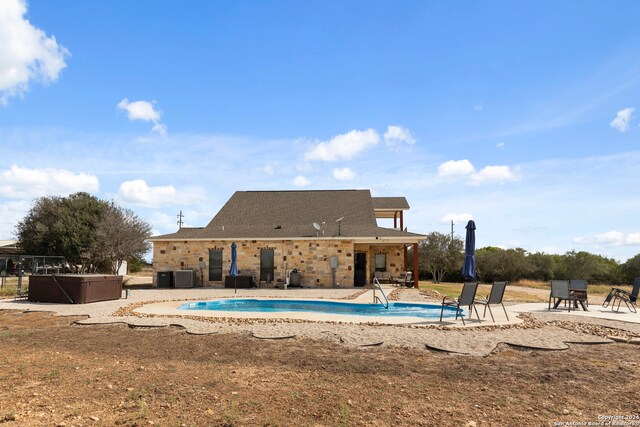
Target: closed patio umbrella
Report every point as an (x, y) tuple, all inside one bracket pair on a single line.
[(469, 267), (233, 270)]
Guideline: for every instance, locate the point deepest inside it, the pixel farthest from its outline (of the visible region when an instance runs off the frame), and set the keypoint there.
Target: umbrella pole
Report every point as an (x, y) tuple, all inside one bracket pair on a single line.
[(235, 287)]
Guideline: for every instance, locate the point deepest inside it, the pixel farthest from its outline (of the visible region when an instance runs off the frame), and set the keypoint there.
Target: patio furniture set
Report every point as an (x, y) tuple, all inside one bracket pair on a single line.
[(572, 291), (405, 279), (468, 298), (575, 291)]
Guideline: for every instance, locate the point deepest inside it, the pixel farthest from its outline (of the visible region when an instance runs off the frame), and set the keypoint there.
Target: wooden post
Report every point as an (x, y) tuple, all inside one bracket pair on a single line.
[(401, 220), (406, 260), (415, 265)]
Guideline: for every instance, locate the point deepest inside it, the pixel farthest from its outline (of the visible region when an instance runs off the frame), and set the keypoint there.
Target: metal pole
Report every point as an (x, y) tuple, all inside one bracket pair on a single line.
[(415, 265), (451, 231)]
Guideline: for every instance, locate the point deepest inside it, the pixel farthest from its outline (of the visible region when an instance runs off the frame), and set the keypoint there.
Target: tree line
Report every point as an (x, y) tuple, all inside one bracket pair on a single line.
[(91, 234), (440, 257)]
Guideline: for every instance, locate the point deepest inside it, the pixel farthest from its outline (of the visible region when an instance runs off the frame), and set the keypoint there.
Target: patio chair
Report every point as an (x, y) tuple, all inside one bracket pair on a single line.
[(560, 292), (495, 297), (467, 298), (581, 287), (630, 299)]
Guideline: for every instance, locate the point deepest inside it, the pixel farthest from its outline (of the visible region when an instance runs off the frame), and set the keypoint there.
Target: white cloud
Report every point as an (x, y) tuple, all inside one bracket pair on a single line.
[(500, 145), (140, 110), (623, 119), (494, 174), (24, 183), (343, 174), (478, 107), (163, 223), (632, 239), (397, 135), (343, 147), (26, 53), (301, 181), (453, 168), (138, 192), (461, 218), (145, 111), (160, 128), (610, 238), (10, 213), (268, 170)]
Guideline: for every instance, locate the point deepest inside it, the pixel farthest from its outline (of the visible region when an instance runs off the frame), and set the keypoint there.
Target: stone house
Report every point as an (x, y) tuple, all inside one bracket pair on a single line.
[(330, 236)]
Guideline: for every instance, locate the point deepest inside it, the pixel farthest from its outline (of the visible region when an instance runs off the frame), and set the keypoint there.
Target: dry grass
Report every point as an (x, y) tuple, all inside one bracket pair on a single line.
[(596, 289), (511, 294), (10, 286), (517, 291)]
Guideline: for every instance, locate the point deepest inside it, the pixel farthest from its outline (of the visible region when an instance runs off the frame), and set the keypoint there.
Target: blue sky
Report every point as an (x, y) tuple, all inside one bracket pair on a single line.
[(521, 115)]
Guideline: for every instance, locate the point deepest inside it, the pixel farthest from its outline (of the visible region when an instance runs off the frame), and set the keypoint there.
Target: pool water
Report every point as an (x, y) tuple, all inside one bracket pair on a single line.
[(396, 309)]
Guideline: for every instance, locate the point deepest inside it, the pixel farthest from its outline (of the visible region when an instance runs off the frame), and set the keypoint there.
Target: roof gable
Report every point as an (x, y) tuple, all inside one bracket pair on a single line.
[(291, 214)]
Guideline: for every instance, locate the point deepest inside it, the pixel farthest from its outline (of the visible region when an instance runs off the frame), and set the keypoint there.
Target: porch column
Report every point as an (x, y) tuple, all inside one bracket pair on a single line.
[(395, 218), (401, 220), (406, 260), (415, 265)]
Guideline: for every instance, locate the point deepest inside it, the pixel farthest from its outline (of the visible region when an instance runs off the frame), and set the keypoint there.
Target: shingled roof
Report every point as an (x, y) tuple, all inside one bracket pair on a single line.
[(390, 203), (291, 214)]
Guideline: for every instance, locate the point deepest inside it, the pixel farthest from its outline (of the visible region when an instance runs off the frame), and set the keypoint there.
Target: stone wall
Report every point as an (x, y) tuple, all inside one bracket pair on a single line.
[(310, 257)]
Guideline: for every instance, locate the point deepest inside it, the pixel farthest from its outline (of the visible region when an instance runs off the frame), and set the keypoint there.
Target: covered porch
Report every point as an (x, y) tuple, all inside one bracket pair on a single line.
[(388, 261)]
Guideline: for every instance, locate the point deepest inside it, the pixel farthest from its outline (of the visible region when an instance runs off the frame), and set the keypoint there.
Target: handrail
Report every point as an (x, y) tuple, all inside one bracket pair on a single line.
[(377, 299)]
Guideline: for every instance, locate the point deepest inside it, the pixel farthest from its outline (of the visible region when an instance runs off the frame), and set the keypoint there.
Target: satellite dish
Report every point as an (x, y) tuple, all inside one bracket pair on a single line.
[(318, 227)]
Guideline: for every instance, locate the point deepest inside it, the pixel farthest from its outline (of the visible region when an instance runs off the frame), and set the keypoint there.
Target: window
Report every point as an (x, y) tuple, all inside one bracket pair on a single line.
[(381, 262), (266, 265), (215, 265)]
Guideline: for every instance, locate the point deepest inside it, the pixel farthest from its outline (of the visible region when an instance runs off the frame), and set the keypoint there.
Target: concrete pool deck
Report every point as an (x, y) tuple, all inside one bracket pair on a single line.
[(536, 328)]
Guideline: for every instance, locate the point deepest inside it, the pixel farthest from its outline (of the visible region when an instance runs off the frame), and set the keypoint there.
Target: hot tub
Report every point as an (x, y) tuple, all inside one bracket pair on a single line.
[(74, 288)]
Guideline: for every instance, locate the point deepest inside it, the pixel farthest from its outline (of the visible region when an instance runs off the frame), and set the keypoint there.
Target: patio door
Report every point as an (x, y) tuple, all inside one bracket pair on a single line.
[(266, 265), (215, 265), (360, 269)]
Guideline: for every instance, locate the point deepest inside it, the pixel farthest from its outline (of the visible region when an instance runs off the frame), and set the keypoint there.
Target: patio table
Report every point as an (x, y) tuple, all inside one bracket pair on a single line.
[(577, 296)]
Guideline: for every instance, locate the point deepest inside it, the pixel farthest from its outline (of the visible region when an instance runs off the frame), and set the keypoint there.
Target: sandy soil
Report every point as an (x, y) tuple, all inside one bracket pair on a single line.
[(56, 373)]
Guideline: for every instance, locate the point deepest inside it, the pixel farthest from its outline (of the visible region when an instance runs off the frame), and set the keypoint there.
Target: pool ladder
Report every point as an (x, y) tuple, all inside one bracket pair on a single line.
[(377, 299)]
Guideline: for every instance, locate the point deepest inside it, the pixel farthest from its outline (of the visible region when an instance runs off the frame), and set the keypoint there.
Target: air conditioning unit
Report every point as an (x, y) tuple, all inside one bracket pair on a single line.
[(184, 279)]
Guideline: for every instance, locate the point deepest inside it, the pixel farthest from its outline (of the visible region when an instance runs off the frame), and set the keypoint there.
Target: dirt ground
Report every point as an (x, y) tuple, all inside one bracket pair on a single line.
[(59, 374)]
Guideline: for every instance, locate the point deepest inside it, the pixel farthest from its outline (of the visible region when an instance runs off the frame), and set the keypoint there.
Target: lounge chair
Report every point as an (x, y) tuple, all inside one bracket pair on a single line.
[(560, 292), (495, 297), (630, 299), (580, 288), (467, 298)]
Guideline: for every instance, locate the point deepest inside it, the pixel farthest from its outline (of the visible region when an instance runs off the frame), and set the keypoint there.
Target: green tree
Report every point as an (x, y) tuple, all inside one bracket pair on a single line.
[(87, 231), (61, 226), (587, 266), (542, 266), (630, 269), (502, 264), (438, 254), (120, 236)]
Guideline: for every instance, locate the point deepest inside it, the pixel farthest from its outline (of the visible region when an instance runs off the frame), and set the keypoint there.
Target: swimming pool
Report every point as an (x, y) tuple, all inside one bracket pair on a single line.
[(396, 309)]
